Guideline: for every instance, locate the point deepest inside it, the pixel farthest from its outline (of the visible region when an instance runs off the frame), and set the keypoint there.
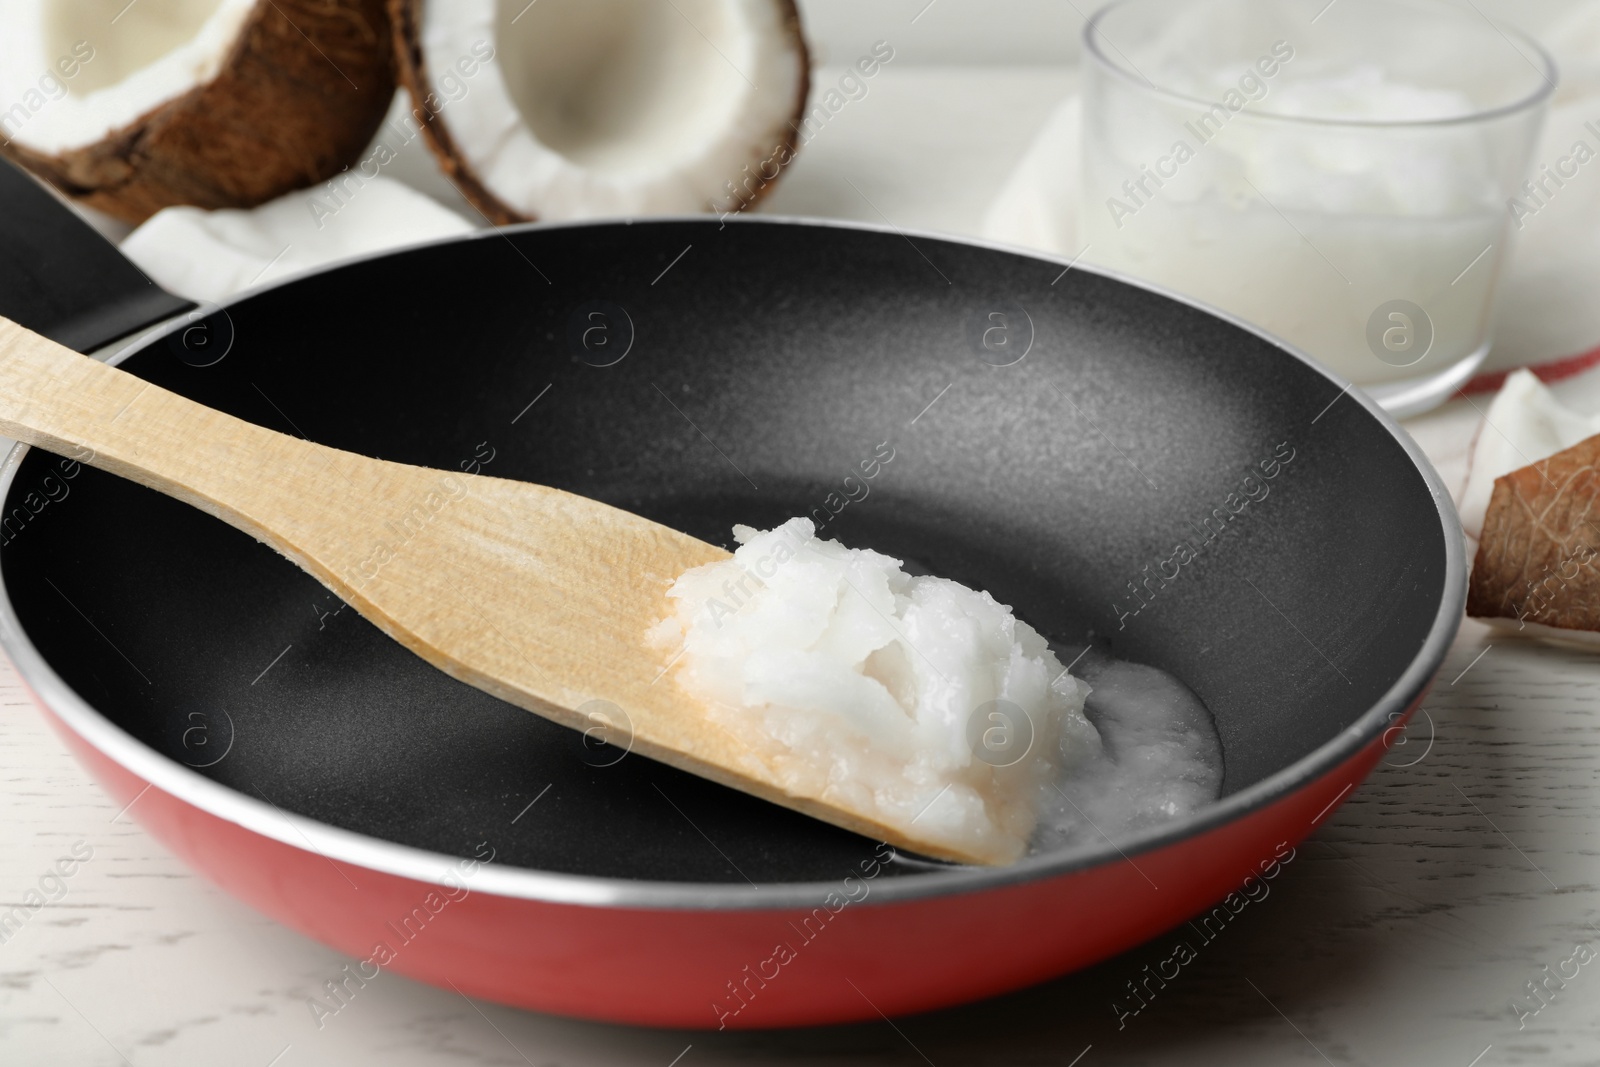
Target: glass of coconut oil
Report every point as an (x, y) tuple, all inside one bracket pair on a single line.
[(1345, 178)]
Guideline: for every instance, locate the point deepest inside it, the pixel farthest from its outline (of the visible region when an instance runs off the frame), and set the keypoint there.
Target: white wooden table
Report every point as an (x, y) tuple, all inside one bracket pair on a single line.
[(1403, 933)]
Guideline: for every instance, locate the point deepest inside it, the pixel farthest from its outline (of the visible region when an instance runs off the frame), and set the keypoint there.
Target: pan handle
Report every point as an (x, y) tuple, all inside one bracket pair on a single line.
[(59, 277)]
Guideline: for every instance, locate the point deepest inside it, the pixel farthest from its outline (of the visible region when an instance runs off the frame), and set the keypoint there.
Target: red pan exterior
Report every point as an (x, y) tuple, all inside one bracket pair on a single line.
[(712, 968)]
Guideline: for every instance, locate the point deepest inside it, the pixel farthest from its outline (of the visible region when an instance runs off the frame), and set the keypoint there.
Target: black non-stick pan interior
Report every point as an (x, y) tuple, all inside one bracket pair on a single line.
[(1057, 463)]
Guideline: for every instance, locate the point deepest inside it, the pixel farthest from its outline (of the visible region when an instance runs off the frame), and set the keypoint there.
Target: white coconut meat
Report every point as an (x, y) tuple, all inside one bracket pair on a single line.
[(922, 704), (74, 71), (131, 107), (613, 107)]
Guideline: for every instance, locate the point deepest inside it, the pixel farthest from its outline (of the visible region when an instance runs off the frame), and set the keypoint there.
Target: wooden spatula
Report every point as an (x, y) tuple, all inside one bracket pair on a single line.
[(535, 595)]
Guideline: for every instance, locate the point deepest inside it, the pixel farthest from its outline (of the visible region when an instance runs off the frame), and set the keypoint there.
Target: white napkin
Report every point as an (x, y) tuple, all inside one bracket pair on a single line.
[(209, 255), (1038, 205)]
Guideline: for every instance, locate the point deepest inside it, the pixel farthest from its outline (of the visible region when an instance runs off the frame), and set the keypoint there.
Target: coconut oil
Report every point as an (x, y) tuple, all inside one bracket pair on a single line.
[(1344, 186), (927, 706)]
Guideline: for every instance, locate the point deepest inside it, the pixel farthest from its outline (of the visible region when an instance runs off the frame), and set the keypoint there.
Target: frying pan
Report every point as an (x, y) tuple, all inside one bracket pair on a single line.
[(1055, 434)]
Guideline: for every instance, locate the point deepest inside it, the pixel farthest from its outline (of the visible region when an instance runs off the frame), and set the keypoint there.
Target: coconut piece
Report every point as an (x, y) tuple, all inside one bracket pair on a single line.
[(1538, 562), (219, 103), (1525, 423), (582, 108), (210, 255)]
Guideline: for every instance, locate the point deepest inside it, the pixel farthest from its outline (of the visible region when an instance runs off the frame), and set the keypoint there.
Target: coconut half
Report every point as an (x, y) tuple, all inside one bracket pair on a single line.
[(136, 106), (580, 108)]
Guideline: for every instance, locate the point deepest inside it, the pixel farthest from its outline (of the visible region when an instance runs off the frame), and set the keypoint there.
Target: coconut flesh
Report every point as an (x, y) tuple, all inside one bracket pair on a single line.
[(582, 108), (71, 77), (219, 103), (928, 708)]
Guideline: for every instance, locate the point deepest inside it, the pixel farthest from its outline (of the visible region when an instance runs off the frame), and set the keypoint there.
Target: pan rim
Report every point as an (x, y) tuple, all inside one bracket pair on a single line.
[(362, 850)]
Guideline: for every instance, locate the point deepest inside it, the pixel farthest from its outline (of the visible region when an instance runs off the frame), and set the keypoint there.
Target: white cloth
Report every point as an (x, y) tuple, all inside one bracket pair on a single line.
[(210, 255)]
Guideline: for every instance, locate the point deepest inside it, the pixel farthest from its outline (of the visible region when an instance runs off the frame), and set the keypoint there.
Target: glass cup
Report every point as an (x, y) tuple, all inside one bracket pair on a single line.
[(1345, 179)]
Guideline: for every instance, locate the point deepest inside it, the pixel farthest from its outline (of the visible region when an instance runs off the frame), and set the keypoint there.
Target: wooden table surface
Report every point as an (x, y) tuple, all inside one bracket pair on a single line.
[(1406, 931)]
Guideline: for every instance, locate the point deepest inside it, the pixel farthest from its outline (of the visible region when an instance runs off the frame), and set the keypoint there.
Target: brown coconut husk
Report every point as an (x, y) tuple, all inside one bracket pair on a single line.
[(300, 94), (405, 17), (1538, 561)]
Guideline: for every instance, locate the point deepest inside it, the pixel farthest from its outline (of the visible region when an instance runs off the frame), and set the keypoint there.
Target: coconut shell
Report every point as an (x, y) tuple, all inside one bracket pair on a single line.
[(412, 70), (299, 95), (1539, 557)]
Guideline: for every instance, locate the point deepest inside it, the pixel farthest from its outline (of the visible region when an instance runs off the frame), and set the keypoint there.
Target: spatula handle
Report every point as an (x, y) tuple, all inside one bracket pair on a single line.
[(75, 406)]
